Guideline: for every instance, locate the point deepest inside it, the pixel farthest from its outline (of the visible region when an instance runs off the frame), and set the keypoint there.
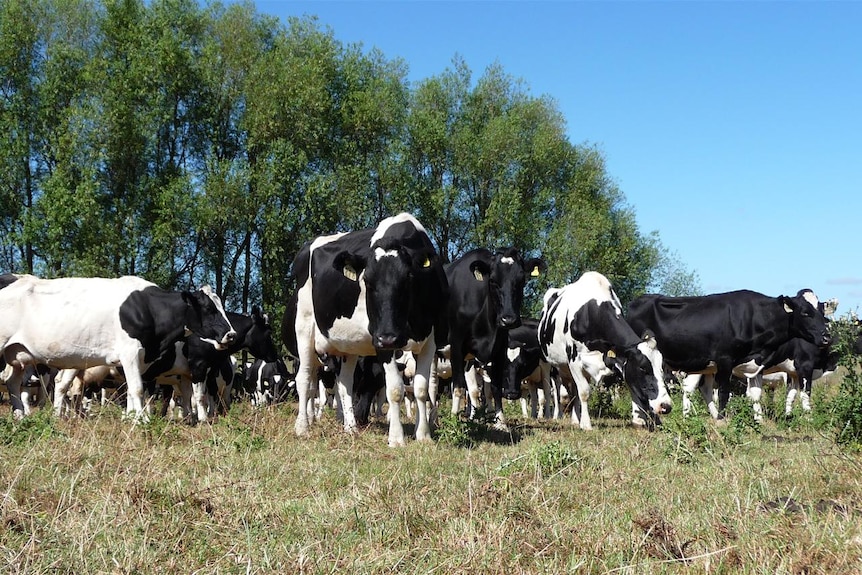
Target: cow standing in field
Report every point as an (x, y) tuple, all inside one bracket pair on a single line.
[(81, 322), (368, 293), (581, 325), (266, 382), (486, 290), (729, 333), (206, 374)]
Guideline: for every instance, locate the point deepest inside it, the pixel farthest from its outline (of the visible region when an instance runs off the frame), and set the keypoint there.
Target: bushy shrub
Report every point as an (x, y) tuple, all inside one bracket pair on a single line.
[(846, 408)]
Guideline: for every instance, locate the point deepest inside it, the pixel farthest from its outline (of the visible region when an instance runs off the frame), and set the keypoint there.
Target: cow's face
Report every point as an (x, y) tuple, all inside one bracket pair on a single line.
[(206, 318), (258, 340), (644, 376), (806, 318), (512, 372), (506, 277), (389, 277)]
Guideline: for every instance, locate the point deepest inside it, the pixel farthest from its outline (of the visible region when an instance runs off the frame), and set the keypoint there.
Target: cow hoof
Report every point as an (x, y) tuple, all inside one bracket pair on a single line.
[(18, 414), (396, 442), (500, 426)]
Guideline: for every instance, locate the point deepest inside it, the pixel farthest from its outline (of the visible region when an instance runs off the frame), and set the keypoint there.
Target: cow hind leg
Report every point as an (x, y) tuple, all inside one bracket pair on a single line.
[(792, 391), (754, 392)]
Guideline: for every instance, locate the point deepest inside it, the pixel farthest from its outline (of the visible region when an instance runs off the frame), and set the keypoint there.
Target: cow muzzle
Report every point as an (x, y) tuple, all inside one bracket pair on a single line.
[(228, 338), (388, 341), (661, 407)]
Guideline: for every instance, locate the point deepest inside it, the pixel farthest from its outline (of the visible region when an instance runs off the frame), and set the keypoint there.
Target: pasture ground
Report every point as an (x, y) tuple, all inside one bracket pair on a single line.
[(244, 495)]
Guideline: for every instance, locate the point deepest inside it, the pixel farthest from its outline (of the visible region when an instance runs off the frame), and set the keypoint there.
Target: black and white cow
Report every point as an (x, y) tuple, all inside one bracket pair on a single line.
[(80, 322), (364, 293), (581, 324), (208, 372), (733, 333), (266, 382), (486, 290), (523, 364)]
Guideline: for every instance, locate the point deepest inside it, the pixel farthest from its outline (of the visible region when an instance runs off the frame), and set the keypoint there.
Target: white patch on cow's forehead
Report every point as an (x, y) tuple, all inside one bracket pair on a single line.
[(513, 353), (381, 253), (384, 225), (507, 260), (811, 298)]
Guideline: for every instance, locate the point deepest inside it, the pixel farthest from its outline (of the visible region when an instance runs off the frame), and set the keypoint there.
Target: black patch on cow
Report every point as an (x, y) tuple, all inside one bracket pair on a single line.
[(7, 279)]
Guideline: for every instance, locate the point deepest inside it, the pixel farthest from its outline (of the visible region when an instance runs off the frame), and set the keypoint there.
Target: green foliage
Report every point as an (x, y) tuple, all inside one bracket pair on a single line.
[(846, 409), (741, 424), (40, 425), (199, 144), (454, 431), (546, 459), (686, 437)]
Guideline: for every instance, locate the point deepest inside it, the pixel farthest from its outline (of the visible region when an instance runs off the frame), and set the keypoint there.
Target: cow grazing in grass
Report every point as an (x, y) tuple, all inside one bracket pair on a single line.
[(81, 322), (726, 334), (581, 325)]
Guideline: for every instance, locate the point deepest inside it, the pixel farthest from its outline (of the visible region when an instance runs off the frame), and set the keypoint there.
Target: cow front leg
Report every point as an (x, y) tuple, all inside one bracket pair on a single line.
[(395, 397), (805, 393), (344, 384), (583, 391), (425, 362)]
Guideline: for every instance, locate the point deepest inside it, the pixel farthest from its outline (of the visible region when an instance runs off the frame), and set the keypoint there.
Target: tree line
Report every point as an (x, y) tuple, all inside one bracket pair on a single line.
[(194, 144)]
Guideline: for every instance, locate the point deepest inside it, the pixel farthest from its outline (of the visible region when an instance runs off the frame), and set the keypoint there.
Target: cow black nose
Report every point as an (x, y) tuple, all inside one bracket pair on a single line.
[(666, 408), (512, 395), (229, 337), (508, 320), (386, 342)]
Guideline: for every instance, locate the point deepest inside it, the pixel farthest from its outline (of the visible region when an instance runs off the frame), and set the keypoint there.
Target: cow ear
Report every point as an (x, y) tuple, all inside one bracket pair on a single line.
[(649, 338), (784, 300), (480, 270), (350, 265), (536, 266)]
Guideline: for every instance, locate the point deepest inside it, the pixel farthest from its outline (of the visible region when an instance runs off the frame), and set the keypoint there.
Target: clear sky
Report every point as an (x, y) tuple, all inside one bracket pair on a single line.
[(734, 129)]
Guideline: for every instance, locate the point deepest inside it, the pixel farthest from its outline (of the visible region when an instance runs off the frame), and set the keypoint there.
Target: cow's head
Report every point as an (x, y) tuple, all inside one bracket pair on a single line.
[(389, 275), (505, 276), (206, 318), (645, 378), (806, 317), (258, 339)]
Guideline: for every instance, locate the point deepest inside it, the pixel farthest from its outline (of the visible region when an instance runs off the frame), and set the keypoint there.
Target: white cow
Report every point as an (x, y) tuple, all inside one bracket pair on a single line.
[(75, 323)]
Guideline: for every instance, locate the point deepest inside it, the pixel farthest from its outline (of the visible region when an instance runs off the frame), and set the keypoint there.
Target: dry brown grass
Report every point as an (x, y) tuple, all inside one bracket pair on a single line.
[(246, 496)]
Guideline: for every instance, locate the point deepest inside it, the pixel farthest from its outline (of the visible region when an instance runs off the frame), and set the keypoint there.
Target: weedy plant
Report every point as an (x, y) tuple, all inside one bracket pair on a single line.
[(40, 425), (846, 408)]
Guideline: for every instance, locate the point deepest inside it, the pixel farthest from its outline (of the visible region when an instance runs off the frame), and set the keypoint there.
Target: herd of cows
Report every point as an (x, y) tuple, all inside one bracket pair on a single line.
[(377, 308)]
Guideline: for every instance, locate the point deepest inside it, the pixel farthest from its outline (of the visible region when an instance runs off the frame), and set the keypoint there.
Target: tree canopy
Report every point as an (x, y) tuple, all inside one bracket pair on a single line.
[(196, 144)]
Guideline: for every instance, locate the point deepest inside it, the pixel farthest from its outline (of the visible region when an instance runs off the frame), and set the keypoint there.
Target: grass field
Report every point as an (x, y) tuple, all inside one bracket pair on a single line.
[(244, 495)]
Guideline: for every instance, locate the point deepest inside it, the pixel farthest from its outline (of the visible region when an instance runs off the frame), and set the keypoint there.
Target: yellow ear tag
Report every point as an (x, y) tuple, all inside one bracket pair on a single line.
[(535, 272), (426, 263), (611, 353), (478, 275), (349, 272)]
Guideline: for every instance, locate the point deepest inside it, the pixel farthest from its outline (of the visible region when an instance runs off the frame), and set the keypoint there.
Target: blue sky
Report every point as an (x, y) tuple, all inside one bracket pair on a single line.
[(734, 129)]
